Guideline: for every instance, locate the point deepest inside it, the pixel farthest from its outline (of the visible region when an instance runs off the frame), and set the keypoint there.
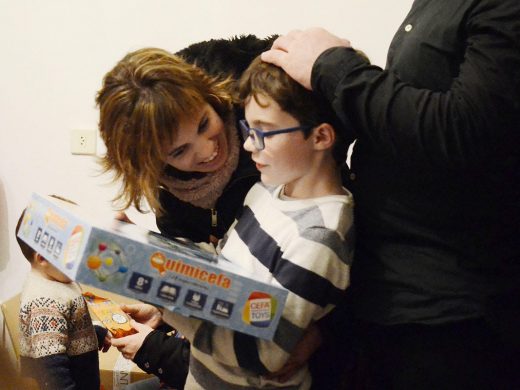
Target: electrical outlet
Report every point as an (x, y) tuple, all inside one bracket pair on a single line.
[(83, 142)]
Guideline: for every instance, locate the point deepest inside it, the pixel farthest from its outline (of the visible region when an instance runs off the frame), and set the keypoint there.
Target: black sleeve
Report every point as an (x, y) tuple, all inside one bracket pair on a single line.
[(166, 357), (338, 324), (226, 57), (476, 119), (51, 372)]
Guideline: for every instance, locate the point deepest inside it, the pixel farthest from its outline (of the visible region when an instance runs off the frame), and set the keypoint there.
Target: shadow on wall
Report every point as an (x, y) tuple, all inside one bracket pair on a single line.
[(4, 230)]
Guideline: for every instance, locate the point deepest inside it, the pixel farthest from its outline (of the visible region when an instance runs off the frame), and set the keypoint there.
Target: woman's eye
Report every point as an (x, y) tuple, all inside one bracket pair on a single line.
[(177, 152), (203, 125)]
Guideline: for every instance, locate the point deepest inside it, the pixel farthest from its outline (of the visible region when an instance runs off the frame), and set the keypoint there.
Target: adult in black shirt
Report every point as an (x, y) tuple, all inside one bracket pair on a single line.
[(436, 181)]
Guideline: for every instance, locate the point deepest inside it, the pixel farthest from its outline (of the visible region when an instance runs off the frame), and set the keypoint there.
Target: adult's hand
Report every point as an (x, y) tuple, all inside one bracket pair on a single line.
[(129, 345), (297, 51), (144, 313), (300, 355)]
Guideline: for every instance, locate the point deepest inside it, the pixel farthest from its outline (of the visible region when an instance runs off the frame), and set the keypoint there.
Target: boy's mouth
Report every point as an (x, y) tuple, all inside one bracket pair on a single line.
[(259, 166)]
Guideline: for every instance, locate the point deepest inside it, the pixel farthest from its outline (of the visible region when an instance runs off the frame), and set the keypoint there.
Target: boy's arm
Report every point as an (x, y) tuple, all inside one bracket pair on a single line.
[(56, 370), (320, 266)]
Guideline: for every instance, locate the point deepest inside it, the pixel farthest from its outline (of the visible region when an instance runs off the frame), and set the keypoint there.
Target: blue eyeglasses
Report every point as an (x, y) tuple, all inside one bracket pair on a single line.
[(257, 136)]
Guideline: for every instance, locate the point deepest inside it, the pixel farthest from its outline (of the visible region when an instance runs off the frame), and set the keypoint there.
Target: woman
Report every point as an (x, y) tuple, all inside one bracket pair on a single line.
[(169, 125)]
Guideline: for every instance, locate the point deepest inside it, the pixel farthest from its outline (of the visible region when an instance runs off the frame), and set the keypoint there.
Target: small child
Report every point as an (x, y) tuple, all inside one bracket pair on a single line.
[(58, 342), (295, 230)]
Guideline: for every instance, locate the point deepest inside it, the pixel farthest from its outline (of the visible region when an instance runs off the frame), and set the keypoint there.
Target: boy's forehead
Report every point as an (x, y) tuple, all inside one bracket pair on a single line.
[(261, 108)]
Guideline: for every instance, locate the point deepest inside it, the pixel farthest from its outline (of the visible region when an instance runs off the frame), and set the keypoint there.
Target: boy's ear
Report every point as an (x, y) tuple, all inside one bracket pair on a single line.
[(324, 136), (39, 259)]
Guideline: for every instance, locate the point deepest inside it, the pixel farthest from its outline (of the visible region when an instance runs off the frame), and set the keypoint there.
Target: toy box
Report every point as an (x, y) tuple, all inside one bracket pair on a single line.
[(134, 262)]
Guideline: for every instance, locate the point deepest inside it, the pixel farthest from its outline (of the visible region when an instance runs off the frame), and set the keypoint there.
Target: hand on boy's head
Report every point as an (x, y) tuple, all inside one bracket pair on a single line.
[(144, 313), (129, 345), (297, 51)]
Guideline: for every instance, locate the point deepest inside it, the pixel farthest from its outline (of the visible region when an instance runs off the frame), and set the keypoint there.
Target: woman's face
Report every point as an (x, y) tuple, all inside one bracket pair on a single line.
[(199, 144)]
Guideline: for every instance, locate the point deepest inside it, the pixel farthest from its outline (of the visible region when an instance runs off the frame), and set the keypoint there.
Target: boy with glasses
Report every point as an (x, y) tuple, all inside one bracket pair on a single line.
[(295, 230)]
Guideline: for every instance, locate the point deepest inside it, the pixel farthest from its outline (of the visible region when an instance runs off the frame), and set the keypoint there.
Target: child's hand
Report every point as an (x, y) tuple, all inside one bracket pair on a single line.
[(106, 343), (144, 313), (300, 355), (129, 345)]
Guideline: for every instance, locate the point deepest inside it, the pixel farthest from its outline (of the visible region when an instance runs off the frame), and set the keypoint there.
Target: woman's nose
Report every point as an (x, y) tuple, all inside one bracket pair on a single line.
[(206, 148)]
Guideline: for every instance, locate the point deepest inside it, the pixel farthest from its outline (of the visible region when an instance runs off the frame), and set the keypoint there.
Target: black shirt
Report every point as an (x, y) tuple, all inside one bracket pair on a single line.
[(436, 165)]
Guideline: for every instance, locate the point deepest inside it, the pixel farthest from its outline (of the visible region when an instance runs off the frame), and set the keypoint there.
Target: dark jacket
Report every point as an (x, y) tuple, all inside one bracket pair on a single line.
[(436, 167), (182, 219), (165, 356)]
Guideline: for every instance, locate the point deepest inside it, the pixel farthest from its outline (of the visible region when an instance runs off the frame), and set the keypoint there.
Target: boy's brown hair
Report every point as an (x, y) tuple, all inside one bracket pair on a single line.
[(262, 78), (141, 102)]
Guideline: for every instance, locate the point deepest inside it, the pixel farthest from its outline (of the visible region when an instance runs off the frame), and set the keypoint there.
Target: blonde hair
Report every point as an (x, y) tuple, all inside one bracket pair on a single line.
[(141, 102)]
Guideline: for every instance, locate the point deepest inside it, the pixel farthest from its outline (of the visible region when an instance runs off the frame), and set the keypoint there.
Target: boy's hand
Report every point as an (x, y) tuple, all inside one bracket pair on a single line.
[(144, 313), (300, 355), (106, 343), (129, 345)]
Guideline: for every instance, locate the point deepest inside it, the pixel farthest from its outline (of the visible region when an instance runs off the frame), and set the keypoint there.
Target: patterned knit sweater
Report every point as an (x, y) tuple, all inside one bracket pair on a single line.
[(304, 245), (58, 343)]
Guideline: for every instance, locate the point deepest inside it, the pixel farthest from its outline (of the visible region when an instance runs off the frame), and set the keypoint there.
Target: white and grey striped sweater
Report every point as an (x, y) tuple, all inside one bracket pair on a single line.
[(304, 245)]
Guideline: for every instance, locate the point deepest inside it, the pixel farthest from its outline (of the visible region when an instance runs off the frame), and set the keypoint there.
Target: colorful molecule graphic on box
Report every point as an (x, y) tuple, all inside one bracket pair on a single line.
[(259, 310), (107, 261)]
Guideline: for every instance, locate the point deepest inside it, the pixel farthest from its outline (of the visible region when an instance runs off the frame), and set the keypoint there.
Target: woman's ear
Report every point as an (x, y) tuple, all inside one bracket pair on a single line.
[(324, 136)]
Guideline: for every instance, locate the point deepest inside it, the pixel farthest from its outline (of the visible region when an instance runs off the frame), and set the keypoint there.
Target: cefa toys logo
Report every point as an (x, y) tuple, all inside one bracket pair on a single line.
[(259, 310)]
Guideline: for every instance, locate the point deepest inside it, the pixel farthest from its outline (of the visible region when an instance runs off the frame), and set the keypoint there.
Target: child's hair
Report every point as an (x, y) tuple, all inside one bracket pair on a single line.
[(262, 78), (27, 251), (141, 102)]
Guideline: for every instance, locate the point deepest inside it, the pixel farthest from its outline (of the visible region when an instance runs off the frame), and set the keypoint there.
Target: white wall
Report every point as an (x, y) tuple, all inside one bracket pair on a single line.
[(54, 54)]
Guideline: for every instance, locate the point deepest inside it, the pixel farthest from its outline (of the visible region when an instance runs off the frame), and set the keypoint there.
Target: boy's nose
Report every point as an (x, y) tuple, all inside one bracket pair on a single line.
[(248, 145)]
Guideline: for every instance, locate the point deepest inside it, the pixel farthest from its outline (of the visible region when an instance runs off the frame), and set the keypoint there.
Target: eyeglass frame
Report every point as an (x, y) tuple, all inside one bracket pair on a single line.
[(259, 142)]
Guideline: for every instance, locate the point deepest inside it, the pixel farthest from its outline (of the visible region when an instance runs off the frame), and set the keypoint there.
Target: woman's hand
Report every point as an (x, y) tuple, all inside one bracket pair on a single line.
[(144, 313), (129, 345), (300, 355)]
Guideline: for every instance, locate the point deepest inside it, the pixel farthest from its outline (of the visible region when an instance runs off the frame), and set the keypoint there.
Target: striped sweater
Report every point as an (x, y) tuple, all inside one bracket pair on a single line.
[(304, 245)]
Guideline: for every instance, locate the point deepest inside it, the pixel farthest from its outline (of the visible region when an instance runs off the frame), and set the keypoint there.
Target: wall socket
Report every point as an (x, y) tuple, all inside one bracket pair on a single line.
[(83, 142)]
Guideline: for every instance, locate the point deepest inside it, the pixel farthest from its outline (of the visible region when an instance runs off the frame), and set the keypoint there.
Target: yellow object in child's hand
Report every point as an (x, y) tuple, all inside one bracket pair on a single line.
[(110, 314)]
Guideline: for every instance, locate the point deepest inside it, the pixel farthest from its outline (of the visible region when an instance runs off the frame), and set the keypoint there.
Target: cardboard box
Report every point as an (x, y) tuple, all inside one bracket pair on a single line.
[(131, 261), (115, 371)]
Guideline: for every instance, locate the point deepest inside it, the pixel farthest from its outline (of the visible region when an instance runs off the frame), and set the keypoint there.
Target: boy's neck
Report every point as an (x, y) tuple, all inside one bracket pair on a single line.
[(325, 180)]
